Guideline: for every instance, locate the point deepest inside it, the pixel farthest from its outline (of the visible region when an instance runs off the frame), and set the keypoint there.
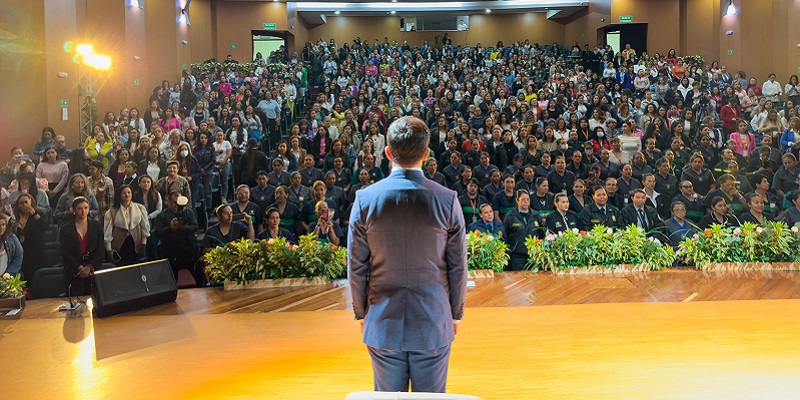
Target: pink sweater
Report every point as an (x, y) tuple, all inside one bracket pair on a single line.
[(58, 172)]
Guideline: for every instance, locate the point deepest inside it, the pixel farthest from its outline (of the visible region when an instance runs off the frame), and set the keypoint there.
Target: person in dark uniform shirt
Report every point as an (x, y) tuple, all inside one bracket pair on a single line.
[(488, 224), (541, 199), (614, 197), (695, 209), (600, 212), (431, 172), (483, 170), (702, 179), (520, 223), (504, 201), (561, 180), (452, 172), (494, 186), (562, 219), (666, 183), (579, 199), (262, 194), (471, 202)]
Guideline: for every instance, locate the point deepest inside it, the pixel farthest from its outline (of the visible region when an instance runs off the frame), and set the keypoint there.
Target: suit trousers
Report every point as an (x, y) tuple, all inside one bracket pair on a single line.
[(426, 369)]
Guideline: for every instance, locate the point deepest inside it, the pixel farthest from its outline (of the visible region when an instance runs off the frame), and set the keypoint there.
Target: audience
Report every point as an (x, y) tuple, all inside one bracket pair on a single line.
[(682, 142)]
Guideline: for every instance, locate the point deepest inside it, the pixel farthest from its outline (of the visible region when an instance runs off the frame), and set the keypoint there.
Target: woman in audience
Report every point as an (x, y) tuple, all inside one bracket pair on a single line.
[(27, 184), (152, 115), (579, 199), (11, 251), (227, 230), (47, 141), (98, 148), (756, 214), (520, 223), (720, 214), (116, 171), (204, 154), (325, 227), (126, 228), (56, 172), (172, 182), (82, 248), (170, 121), (77, 186), (678, 227), (791, 216), (30, 227), (102, 187), (273, 226)]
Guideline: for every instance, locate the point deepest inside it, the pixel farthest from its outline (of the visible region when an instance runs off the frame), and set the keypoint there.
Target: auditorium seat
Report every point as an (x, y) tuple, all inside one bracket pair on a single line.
[(407, 396), (48, 282)]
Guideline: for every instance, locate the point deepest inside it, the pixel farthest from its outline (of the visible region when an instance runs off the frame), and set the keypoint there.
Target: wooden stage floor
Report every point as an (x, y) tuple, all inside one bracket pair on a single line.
[(653, 339)]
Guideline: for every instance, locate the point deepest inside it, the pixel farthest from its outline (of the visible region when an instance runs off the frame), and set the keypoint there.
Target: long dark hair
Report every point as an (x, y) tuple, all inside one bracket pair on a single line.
[(118, 195), (152, 193), (77, 165), (30, 177)]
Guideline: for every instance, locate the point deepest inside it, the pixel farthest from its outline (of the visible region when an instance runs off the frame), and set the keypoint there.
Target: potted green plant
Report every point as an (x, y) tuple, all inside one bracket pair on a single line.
[(772, 246), (275, 262), (601, 250), (12, 292), (486, 254)]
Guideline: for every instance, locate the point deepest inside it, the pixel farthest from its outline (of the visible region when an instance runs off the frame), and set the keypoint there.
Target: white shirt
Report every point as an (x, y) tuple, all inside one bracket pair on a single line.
[(771, 90)]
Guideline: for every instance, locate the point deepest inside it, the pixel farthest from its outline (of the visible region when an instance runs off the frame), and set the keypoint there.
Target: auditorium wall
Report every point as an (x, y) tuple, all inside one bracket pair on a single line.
[(763, 38)]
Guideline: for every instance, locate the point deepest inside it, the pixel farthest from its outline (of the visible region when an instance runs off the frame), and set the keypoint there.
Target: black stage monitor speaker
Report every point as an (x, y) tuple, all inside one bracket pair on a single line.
[(133, 287)]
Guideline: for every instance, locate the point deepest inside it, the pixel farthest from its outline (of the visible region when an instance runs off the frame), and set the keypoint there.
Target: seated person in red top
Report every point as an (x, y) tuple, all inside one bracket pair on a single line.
[(82, 248)]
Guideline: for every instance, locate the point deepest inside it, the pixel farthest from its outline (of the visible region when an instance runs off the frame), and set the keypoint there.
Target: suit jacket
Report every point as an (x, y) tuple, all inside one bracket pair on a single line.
[(407, 263), (69, 247), (630, 216)]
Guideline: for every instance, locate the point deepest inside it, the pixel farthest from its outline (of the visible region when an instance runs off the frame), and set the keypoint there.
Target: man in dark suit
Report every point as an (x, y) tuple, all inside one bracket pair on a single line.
[(407, 267), (640, 214)]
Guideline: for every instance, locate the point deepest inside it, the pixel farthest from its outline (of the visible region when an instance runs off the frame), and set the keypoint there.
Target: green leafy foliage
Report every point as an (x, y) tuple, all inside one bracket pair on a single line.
[(601, 247), (773, 242), (246, 261), (485, 251), (211, 67), (11, 286)]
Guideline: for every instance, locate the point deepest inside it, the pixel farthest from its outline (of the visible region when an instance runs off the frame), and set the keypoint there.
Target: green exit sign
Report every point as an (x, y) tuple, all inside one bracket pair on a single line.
[(730, 52), (625, 19), (64, 103), (135, 82), (270, 26)]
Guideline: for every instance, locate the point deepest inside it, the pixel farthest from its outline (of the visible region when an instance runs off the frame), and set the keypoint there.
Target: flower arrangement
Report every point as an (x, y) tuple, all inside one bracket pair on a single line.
[(485, 251), (246, 261), (11, 286), (205, 68), (697, 60), (774, 242), (600, 247)]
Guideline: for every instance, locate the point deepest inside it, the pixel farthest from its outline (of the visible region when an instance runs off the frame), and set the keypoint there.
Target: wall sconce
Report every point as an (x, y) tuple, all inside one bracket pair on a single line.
[(731, 9), (137, 3), (183, 18)]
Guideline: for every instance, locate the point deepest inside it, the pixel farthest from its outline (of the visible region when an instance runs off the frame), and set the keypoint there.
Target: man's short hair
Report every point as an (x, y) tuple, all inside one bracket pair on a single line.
[(408, 139)]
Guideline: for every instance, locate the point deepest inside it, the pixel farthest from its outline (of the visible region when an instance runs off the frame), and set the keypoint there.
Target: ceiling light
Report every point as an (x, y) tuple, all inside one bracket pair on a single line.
[(488, 10), (337, 12), (394, 12)]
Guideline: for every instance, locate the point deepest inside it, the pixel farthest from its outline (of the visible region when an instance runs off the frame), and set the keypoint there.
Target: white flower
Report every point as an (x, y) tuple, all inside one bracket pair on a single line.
[(574, 230), (656, 241), (609, 231), (6, 276), (650, 238), (795, 229), (271, 241), (759, 229)]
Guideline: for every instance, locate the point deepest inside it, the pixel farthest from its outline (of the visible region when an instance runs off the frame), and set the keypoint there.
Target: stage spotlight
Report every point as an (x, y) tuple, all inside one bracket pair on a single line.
[(87, 56), (731, 9)]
